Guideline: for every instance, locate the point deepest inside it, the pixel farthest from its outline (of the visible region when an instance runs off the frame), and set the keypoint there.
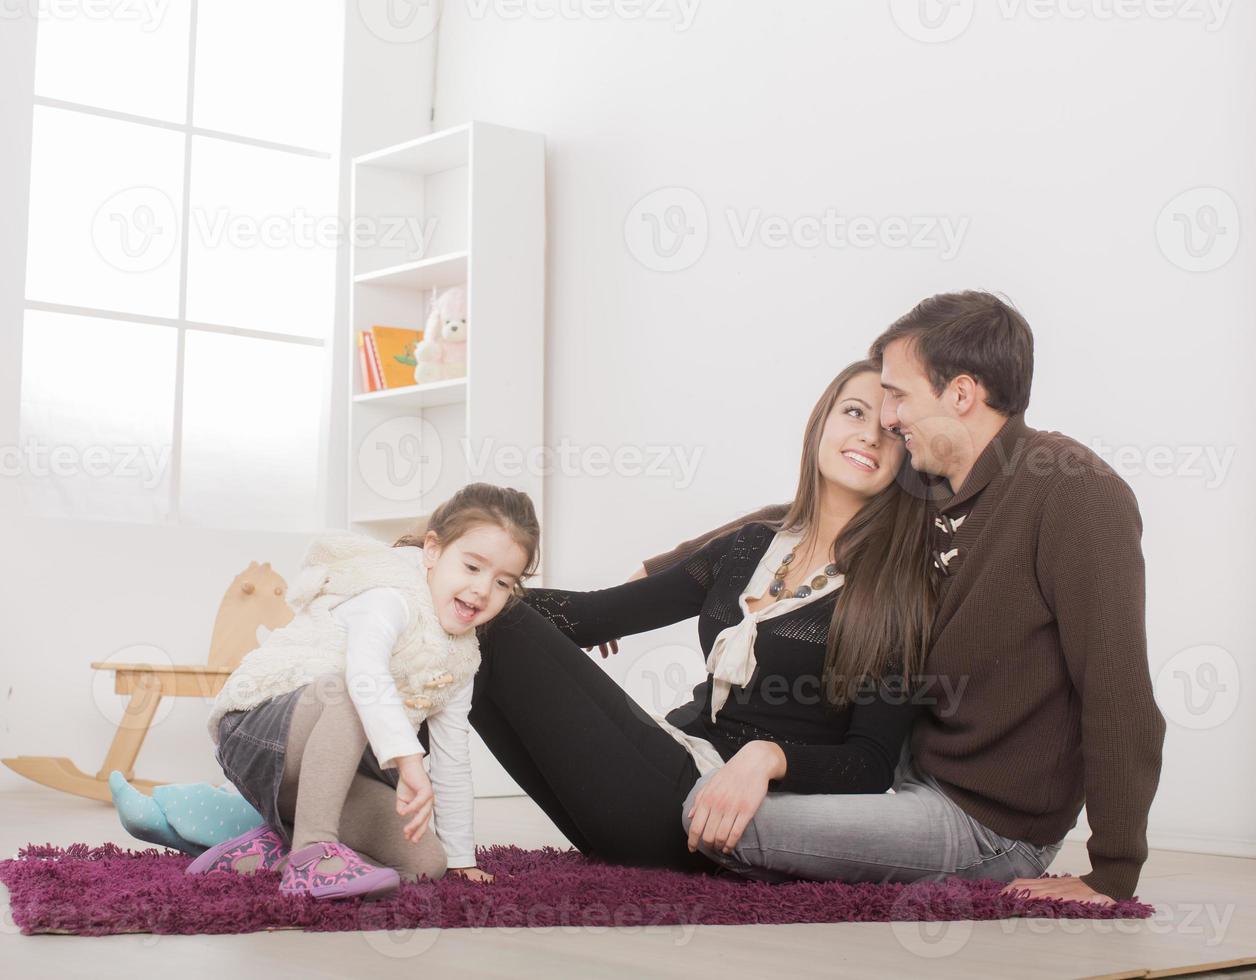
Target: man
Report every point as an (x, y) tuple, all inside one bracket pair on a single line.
[(1039, 640)]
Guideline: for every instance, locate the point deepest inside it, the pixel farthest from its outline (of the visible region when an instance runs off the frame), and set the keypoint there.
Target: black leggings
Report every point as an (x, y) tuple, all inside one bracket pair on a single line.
[(611, 779)]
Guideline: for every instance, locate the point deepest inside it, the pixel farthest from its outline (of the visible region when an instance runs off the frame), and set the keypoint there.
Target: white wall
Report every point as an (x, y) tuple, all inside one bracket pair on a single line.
[(1058, 140), (75, 592)]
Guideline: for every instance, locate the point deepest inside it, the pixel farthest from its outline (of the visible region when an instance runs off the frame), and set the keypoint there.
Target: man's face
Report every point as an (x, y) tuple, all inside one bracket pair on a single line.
[(931, 430)]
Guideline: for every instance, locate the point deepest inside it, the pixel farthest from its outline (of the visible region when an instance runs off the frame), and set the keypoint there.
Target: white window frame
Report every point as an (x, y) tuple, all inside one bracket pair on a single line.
[(180, 322)]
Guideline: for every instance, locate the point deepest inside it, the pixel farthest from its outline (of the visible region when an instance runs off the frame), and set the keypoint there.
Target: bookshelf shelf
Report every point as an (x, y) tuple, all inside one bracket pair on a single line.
[(423, 274), (418, 396), (445, 150), (379, 520)]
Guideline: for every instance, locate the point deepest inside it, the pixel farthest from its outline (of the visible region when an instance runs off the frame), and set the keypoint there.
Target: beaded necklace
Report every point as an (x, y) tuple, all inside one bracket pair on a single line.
[(777, 588)]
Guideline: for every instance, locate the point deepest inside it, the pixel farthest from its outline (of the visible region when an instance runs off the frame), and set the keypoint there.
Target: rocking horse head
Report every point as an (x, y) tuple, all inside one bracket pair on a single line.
[(256, 597)]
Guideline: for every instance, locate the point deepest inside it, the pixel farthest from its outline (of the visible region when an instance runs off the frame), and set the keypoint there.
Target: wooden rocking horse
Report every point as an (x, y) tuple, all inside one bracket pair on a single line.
[(255, 598)]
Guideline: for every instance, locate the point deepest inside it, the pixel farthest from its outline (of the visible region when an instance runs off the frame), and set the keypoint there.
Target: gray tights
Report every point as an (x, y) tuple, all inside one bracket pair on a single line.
[(325, 798)]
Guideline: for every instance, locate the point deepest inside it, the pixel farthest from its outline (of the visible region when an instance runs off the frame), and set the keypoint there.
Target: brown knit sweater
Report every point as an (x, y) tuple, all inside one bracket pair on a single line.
[(1040, 630)]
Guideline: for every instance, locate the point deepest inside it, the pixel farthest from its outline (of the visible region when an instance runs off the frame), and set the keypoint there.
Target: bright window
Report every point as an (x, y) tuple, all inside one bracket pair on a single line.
[(181, 261)]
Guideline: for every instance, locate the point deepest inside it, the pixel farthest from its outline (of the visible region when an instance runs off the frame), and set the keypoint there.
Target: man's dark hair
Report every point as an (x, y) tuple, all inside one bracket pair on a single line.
[(972, 333)]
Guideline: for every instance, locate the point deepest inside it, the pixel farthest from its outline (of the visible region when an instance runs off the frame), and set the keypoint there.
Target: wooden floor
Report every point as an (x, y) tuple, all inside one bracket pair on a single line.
[(1206, 914)]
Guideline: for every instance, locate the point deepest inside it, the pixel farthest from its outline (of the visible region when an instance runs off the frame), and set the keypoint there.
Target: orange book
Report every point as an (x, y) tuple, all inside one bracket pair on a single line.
[(394, 347)]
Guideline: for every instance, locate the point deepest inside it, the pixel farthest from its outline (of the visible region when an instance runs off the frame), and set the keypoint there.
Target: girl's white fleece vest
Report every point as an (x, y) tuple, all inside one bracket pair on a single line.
[(427, 663)]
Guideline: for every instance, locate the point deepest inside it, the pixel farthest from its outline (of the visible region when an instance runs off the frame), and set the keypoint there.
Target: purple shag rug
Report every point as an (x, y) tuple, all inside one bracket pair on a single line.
[(102, 891)]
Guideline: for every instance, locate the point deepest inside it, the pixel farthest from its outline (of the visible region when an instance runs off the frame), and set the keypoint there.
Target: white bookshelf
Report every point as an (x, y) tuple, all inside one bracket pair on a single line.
[(464, 206)]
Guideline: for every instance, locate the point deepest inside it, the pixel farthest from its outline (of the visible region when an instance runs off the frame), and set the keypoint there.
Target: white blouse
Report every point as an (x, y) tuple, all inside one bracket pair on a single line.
[(731, 661)]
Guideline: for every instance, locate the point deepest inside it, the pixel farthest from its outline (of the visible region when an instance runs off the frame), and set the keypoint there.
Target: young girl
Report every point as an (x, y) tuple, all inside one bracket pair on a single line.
[(384, 639)]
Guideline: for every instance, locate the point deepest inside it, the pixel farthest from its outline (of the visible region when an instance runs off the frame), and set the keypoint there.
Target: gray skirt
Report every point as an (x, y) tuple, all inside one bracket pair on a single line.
[(252, 748)]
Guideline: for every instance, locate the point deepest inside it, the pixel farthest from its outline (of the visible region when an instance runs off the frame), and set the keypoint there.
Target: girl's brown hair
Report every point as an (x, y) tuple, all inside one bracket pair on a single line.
[(884, 610), (483, 503)]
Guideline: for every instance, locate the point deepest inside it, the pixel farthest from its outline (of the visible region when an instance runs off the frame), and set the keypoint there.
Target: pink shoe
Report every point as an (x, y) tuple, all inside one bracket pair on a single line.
[(346, 876), (231, 856)]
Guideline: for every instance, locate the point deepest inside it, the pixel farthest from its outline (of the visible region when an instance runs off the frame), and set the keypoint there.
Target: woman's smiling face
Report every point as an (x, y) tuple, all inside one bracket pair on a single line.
[(855, 452)]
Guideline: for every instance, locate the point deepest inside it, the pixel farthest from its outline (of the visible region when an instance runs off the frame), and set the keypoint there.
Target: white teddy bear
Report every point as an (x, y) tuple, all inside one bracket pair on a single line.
[(442, 354)]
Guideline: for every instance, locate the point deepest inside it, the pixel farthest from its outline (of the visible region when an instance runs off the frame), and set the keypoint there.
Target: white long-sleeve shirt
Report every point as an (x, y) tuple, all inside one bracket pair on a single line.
[(374, 620)]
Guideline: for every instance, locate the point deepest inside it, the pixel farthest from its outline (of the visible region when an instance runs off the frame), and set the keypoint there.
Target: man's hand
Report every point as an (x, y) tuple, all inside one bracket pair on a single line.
[(414, 795), (1067, 887), (733, 796), (473, 873), (612, 646)]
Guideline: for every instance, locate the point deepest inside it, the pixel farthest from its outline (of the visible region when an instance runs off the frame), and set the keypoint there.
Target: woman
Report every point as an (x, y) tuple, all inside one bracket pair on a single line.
[(809, 626)]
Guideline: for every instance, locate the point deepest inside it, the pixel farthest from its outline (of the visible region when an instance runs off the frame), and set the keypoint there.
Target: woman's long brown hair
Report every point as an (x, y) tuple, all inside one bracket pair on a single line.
[(884, 610)]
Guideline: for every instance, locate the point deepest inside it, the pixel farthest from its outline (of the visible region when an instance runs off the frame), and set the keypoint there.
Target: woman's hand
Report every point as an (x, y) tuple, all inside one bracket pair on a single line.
[(732, 797), (473, 873), (414, 795)]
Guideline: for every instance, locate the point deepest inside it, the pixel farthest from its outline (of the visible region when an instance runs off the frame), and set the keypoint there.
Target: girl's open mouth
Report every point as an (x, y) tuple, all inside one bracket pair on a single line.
[(464, 611)]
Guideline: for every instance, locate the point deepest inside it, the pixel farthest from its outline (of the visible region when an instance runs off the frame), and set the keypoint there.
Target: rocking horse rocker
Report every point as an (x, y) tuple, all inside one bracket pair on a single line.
[(255, 598)]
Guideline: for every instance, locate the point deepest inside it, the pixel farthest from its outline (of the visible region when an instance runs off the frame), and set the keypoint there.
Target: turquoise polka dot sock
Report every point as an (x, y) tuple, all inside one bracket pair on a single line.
[(204, 814), (142, 818)]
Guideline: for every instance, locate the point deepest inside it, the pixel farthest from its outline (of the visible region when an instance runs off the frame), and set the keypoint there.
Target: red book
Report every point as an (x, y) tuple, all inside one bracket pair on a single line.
[(375, 362), (375, 374), (363, 365)]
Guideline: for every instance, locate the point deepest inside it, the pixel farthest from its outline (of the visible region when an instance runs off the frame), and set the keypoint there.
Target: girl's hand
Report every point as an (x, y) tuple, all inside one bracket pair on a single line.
[(732, 797), (414, 795), (473, 873)]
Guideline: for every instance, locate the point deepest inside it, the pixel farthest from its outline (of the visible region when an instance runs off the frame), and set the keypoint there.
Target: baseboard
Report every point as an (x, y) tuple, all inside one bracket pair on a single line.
[(1223, 846), (1192, 843)]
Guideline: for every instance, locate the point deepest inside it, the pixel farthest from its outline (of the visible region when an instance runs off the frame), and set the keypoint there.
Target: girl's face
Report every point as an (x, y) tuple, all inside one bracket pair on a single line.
[(472, 577), (855, 452)]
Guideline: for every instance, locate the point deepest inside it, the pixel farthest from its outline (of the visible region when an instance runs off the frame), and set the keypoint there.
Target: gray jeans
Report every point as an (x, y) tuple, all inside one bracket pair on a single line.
[(913, 834)]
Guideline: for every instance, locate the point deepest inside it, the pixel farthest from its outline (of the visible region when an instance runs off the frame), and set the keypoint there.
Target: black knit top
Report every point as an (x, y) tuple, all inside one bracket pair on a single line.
[(853, 749)]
